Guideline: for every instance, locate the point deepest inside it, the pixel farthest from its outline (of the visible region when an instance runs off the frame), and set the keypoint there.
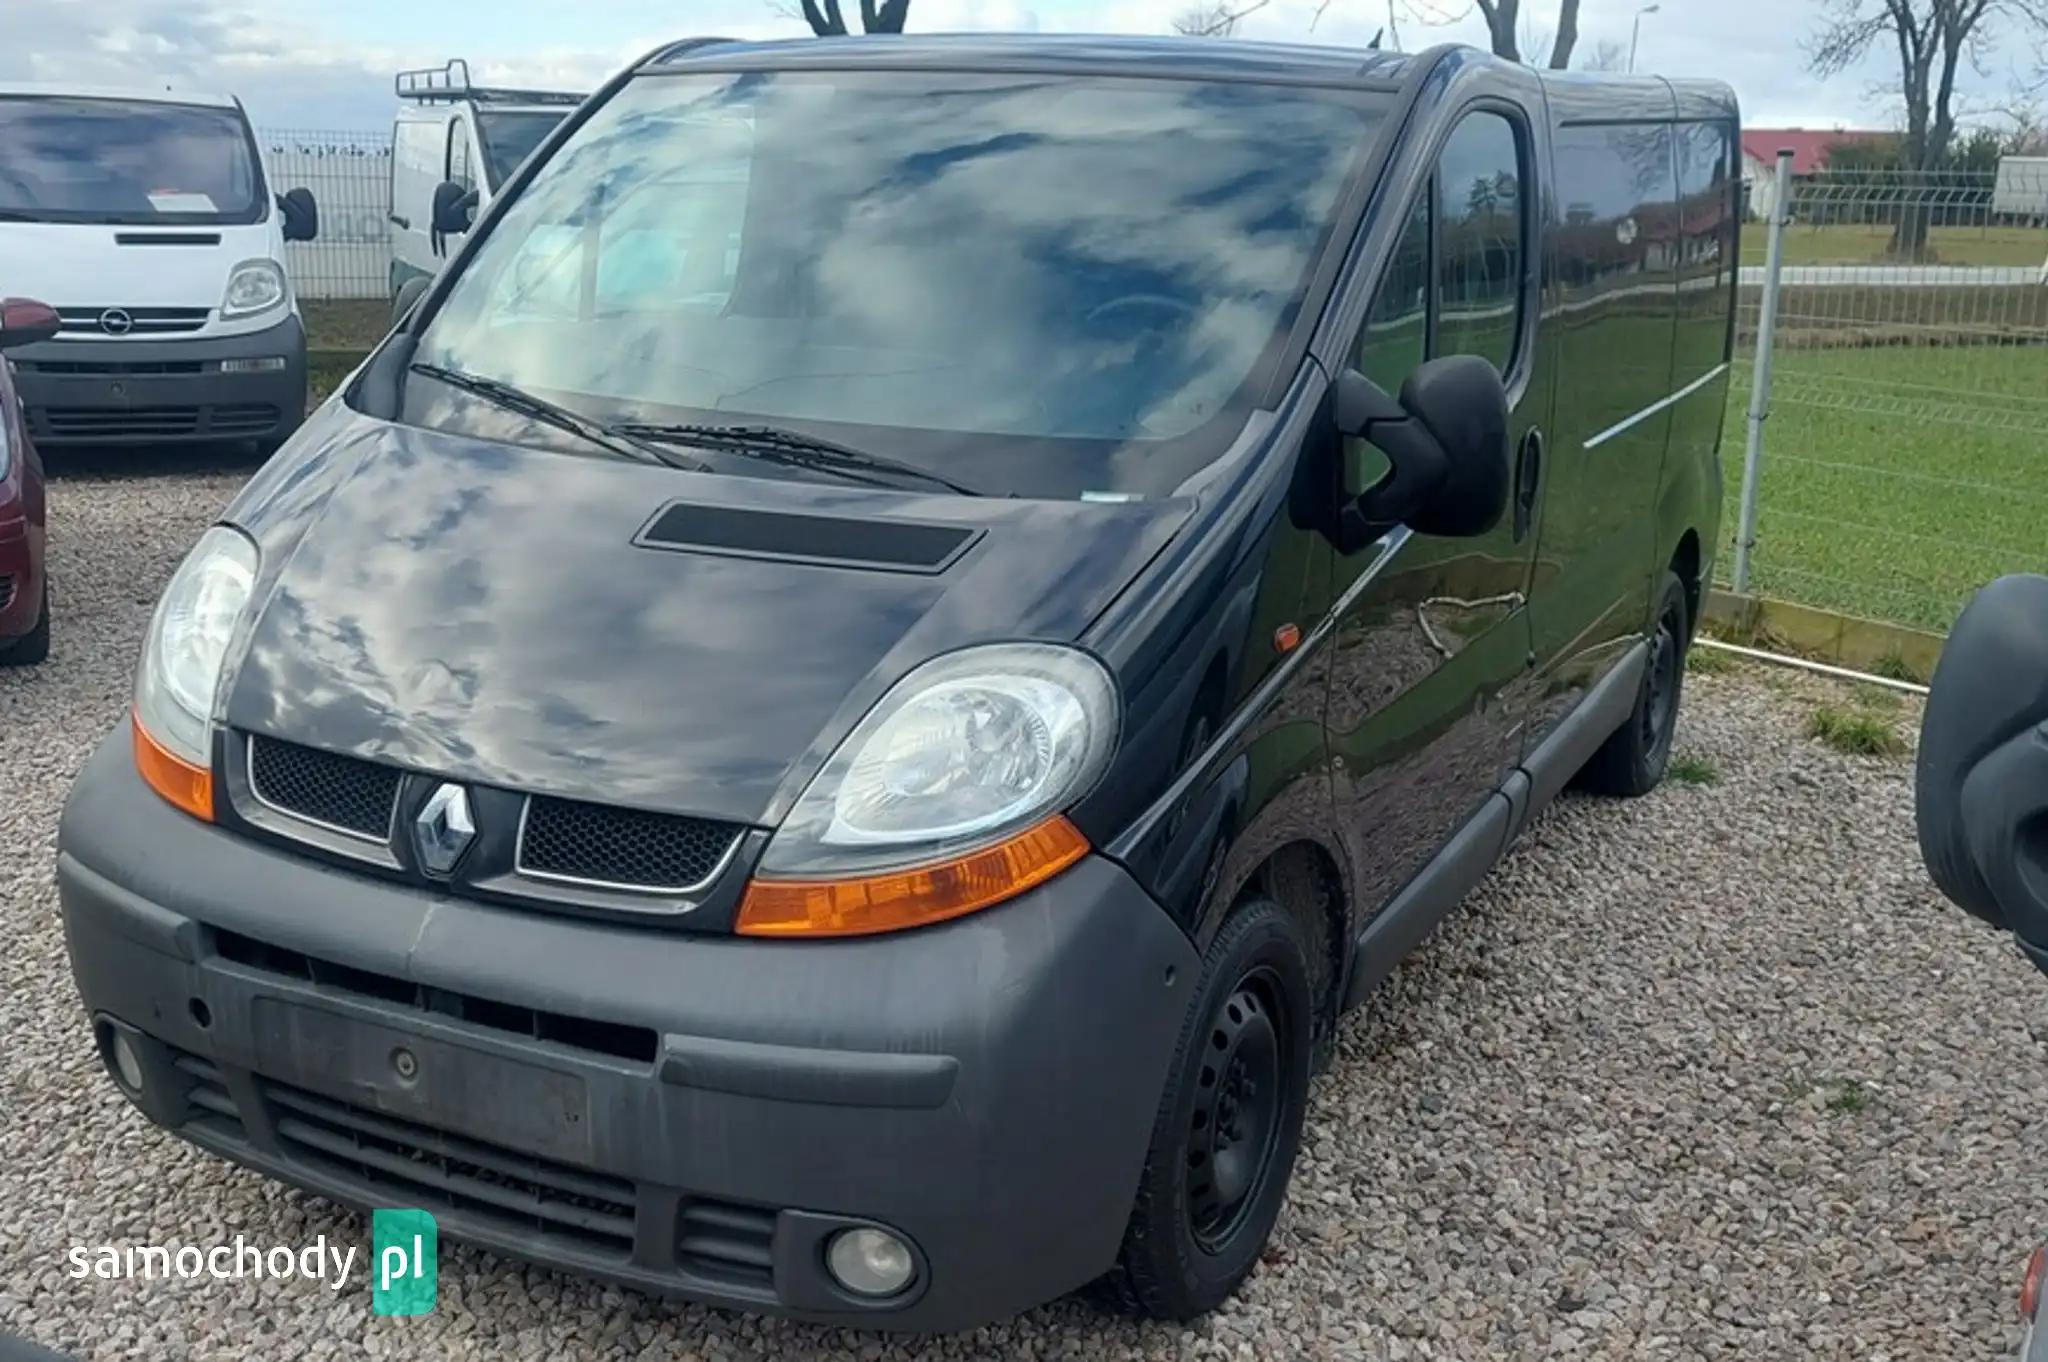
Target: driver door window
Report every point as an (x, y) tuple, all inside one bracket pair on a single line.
[(460, 165)]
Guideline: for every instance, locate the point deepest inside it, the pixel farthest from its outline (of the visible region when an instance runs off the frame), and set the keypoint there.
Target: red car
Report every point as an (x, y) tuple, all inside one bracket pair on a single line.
[(24, 589)]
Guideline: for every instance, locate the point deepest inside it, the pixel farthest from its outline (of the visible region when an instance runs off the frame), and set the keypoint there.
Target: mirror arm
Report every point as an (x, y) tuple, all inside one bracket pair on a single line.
[(1365, 411)]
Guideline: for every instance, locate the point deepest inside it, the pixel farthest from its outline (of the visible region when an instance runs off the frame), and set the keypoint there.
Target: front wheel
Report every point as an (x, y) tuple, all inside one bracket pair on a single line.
[(1229, 1124), (1633, 760)]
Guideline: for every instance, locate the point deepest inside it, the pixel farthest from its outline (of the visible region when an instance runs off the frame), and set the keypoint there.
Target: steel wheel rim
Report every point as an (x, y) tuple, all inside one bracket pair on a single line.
[(1662, 706), (1235, 1125)]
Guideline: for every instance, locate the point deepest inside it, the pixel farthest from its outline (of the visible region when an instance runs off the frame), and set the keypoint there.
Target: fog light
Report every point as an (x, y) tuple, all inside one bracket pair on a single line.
[(267, 365), (870, 1262), (127, 1064)]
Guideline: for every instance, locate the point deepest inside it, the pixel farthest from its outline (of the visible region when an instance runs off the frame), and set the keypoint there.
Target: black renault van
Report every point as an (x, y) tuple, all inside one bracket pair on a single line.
[(831, 725)]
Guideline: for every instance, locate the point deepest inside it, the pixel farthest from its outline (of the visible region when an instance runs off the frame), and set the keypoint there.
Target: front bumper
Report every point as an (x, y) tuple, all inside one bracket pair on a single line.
[(21, 572), (691, 1115), (158, 391)]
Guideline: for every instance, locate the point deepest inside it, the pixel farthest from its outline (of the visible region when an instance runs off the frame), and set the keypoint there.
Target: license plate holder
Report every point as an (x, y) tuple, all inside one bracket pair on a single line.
[(437, 1083)]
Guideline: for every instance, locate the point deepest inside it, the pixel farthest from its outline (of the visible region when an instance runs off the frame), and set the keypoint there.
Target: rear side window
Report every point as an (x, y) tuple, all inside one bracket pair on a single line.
[(1479, 211)]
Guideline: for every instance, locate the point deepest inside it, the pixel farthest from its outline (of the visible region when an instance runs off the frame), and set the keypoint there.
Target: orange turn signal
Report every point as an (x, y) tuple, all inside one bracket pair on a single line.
[(183, 784), (912, 898)]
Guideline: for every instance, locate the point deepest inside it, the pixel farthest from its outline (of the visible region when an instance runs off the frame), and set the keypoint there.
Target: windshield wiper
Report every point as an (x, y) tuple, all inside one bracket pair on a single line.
[(618, 439), (795, 449)]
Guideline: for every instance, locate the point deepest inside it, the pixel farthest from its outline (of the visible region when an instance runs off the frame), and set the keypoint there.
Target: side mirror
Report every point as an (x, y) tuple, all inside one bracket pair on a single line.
[(454, 208), (1447, 439), (407, 298), (23, 321), (1981, 783), (301, 214)]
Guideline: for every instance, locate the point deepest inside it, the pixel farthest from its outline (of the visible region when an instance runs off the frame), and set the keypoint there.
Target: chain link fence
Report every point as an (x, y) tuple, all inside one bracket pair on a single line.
[(349, 174), (1904, 461)]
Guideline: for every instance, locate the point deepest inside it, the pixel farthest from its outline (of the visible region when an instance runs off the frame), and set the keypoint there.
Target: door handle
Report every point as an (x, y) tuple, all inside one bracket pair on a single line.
[(402, 223), (1528, 482)]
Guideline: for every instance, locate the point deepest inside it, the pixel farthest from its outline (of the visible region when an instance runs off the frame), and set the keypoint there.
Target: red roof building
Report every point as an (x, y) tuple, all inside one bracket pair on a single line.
[(1809, 146)]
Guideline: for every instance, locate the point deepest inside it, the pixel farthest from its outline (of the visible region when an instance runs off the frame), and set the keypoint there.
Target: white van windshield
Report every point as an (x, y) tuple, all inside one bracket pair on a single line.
[(510, 138), (126, 161)]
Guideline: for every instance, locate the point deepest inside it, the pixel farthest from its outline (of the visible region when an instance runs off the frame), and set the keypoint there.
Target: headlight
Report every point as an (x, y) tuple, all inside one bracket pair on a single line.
[(181, 665), (947, 797), (253, 286)]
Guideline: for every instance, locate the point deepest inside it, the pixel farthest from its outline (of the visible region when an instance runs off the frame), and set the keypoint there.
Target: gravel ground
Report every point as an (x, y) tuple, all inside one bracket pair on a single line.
[(1712, 1074)]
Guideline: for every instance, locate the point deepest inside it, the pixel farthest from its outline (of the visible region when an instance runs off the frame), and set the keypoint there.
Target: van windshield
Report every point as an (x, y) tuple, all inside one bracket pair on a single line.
[(510, 138), (1037, 284), (127, 162)]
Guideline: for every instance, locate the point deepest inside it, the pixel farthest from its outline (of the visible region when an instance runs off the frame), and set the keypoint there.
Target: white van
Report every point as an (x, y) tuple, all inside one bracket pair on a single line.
[(145, 218), (450, 131)]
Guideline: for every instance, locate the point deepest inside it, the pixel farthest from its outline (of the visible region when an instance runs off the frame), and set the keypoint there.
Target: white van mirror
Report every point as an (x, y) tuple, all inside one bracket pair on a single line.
[(454, 208), (301, 214)]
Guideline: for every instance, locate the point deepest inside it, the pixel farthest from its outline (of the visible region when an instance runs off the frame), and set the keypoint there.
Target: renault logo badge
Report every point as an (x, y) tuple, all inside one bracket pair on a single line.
[(443, 830)]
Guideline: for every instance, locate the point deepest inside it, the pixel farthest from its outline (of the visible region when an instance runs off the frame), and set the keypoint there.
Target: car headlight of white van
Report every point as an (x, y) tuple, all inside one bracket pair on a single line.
[(949, 796), (181, 666), (253, 286)]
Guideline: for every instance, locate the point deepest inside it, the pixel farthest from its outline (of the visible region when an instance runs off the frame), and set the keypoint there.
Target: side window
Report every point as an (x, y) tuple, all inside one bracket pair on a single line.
[(1396, 336), (1479, 211), (458, 164)]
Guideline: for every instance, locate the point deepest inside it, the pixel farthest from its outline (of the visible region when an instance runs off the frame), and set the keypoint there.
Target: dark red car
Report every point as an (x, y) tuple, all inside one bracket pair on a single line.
[(24, 589)]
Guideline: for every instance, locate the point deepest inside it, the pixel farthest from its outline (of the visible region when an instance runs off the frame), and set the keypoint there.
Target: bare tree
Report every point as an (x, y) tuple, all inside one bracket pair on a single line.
[(1934, 38), (1503, 25), (1217, 19), (1609, 54), (827, 20)]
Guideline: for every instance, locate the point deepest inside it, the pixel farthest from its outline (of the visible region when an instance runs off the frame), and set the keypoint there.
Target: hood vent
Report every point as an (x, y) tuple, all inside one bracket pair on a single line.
[(836, 541)]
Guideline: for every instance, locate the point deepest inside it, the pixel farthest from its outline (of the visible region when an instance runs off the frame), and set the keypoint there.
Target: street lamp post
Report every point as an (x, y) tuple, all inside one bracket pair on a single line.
[(1635, 34)]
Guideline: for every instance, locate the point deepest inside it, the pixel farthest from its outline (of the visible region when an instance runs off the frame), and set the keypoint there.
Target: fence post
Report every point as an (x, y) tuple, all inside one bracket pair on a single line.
[(1760, 381)]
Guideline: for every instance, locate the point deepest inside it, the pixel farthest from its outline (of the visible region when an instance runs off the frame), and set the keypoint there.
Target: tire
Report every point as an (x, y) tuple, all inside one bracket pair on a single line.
[(1234, 1102), (1633, 760), (33, 646)]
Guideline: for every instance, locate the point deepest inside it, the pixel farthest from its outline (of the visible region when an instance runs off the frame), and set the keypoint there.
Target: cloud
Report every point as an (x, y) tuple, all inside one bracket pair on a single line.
[(302, 63)]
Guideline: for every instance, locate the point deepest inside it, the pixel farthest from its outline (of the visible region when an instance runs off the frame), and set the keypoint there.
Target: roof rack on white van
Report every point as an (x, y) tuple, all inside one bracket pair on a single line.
[(451, 84)]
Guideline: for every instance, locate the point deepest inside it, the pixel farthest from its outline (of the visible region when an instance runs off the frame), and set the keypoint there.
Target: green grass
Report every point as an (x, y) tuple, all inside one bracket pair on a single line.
[(1868, 244), (1859, 733), (1690, 768), (1847, 1096), (1895, 481), (1708, 662), (345, 324)]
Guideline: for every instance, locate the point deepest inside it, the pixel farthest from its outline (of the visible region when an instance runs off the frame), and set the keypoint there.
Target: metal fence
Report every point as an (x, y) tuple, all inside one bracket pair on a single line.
[(350, 176), (1895, 398)]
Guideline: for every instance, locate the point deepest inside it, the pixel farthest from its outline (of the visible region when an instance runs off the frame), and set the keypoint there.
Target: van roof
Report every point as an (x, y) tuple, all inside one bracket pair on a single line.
[(154, 94), (1214, 57)]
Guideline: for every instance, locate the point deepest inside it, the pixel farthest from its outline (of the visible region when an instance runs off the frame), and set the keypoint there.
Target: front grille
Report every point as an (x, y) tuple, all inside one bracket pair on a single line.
[(81, 423), (251, 418), (142, 321), (517, 1196), (415, 1165), (209, 1107), (564, 839), (343, 793), (727, 1242), (110, 367), (638, 1043)]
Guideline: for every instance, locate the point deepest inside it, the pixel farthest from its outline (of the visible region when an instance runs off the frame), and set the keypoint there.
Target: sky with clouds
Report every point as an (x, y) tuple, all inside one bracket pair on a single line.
[(302, 63)]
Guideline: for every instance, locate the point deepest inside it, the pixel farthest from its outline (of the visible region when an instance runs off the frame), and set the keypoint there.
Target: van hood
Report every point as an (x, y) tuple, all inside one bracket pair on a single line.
[(494, 613), (89, 265)]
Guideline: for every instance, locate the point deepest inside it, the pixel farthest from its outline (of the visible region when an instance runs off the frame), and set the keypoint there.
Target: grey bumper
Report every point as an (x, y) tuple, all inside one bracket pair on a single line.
[(986, 1087), (157, 391)]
